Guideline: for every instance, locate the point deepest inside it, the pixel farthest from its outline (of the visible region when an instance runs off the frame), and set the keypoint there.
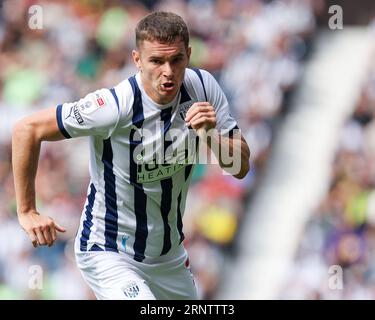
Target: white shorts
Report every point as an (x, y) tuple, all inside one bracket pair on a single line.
[(117, 276)]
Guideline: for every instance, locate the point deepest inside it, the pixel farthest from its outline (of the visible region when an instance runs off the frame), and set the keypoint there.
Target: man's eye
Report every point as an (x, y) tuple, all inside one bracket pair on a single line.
[(178, 59), (156, 61)]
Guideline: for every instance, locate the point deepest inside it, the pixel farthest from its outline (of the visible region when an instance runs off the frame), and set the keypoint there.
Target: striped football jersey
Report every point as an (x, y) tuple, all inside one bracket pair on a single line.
[(136, 199)]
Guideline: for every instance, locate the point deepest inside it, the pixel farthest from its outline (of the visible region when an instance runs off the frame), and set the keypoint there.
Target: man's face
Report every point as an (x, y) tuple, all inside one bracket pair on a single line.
[(162, 68)]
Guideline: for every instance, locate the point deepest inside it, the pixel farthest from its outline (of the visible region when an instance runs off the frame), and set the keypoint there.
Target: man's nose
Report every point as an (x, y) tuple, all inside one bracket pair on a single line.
[(168, 70)]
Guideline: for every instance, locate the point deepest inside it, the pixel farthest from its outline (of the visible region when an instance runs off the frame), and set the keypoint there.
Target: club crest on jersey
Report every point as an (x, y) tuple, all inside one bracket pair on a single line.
[(184, 107), (131, 291)]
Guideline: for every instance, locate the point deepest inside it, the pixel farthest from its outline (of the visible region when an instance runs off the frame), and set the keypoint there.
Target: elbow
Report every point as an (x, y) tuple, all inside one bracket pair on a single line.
[(245, 166), (18, 130), (22, 130), (243, 173)]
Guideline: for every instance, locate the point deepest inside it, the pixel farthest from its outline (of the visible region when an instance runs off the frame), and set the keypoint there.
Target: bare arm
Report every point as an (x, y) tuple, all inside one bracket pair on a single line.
[(27, 137), (232, 153)]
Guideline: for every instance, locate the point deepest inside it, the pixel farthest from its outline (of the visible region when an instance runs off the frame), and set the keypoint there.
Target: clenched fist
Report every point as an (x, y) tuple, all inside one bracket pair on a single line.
[(201, 115)]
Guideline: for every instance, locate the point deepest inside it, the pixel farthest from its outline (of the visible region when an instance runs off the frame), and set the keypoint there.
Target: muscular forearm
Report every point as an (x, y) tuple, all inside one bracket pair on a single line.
[(26, 140), (232, 153), (243, 150), (25, 155)]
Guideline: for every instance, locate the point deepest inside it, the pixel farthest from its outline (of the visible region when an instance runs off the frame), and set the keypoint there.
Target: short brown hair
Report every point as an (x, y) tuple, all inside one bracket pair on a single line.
[(162, 26)]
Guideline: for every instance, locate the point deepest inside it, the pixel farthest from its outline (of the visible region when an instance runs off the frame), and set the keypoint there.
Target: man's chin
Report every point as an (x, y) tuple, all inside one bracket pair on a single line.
[(168, 93), (166, 96)]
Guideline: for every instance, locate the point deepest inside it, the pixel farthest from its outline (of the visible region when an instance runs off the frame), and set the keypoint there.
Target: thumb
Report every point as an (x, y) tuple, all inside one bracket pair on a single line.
[(59, 228)]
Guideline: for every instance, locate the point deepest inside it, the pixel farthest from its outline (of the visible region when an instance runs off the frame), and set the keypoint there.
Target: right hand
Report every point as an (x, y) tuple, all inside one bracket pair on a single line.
[(40, 229), (201, 116)]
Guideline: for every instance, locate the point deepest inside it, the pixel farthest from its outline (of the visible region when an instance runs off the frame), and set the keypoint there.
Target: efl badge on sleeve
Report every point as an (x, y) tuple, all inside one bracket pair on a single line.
[(100, 101), (89, 105)]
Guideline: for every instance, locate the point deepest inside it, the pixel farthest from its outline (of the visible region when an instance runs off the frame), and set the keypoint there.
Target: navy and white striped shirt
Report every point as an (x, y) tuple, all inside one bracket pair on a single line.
[(132, 207)]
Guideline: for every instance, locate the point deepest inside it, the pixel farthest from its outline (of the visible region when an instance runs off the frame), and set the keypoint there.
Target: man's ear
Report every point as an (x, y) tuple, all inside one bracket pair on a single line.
[(136, 59), (188, 53)]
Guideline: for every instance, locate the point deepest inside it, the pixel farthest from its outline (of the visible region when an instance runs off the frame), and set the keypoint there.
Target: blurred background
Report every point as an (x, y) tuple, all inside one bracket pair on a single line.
[(304, 96)]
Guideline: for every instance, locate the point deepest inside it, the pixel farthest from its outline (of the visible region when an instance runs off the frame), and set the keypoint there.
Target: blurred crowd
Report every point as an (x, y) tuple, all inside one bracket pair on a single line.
[(336, 256), (254, 48)]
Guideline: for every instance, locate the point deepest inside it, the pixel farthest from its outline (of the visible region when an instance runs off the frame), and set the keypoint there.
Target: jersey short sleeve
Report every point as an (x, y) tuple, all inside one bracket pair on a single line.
[(95, 115), (215, 95)]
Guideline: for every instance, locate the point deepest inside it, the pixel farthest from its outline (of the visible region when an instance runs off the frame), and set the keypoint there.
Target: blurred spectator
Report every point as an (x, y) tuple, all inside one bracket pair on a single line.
[(342, 230)]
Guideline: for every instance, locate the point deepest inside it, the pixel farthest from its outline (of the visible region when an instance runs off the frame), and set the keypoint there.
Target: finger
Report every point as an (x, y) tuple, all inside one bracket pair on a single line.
[(201, 103), (47, 235), (204, 118), (197, 108), (53, 234), (40, 237), (33, 238), (59, 228), (203, 123), (207, 114)]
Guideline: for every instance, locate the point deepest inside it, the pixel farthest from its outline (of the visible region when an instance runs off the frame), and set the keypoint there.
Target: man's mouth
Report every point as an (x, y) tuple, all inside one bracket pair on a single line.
[(167, 86)]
